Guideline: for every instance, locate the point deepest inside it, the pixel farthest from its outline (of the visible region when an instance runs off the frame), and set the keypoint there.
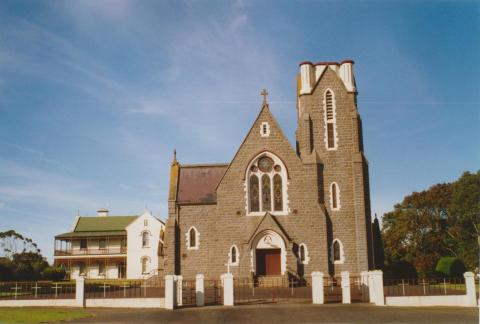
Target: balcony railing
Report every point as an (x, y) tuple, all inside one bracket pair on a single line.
[(92, 251)]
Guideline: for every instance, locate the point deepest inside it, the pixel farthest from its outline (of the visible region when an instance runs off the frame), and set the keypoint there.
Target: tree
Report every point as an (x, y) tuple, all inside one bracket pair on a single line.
[(12, 242), (378, 253), (20, 257), (415, 230), (464, 219), (443, 221)]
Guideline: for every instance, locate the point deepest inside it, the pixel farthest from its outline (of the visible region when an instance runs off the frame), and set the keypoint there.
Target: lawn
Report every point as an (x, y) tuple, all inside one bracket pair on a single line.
[(39, 315)]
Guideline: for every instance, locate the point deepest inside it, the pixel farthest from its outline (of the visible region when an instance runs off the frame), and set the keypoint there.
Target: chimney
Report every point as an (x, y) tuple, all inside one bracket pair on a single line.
[(103, 212)]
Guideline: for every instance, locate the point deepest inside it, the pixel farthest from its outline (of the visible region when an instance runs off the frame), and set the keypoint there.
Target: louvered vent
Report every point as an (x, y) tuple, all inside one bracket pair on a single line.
[(329, 104)]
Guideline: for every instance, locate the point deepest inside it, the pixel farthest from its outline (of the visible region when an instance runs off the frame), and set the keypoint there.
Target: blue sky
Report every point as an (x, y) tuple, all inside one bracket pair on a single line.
[(94, 95)]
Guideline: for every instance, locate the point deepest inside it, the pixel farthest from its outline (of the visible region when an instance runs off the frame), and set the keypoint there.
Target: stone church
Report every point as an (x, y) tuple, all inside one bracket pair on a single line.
[(274, 209)]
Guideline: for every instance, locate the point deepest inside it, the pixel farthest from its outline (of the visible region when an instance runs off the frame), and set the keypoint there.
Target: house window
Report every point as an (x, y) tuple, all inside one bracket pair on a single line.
[(145, 239), (83, 244), (192, 238), (330, 120), (102, 244), (144, 265), (334, 196), (266, 181), (303, 254), (338, 256), (234, 255), (101, 269), (81, 269)]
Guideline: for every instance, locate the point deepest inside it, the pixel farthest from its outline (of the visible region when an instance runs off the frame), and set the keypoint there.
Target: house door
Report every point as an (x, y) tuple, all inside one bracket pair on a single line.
[(268, 262)]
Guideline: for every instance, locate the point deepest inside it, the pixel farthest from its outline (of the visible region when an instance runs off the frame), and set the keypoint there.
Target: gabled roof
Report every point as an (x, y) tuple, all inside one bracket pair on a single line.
[(197, 183), (106, 223)]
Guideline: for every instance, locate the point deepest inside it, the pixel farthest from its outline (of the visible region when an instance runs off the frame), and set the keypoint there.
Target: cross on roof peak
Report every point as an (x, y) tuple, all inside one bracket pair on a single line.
[(264, 93)]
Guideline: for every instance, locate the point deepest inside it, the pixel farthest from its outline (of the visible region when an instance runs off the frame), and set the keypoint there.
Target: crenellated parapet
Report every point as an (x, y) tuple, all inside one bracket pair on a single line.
[(310, 74)]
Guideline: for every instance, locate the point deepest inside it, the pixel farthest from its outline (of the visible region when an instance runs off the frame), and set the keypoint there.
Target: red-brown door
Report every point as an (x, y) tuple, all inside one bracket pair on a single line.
[(268, 262)]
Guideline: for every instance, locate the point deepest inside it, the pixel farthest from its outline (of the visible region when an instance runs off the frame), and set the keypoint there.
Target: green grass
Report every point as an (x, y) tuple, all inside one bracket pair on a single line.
[(39, 315)]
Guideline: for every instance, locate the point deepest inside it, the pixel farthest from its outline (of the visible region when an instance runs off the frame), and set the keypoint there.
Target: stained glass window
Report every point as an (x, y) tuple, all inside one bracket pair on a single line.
[(266, 193), (254, 194), (277, 192), (265, 164)]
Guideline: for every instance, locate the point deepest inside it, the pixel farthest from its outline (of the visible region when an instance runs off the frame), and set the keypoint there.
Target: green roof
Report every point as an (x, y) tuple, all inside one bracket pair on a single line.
[(103, 223), (91, 234)]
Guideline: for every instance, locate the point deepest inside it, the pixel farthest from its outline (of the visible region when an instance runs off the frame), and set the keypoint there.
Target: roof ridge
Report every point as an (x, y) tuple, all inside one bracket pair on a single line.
[(199, 165)]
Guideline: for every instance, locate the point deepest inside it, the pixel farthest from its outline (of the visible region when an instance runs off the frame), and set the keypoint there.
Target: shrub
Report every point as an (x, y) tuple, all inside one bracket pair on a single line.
[(450, 267), (53, 273), (400, 270), (6, 269)]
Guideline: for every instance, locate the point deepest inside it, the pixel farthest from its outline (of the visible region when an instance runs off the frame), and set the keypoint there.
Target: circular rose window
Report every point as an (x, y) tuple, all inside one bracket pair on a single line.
[(265, 164)]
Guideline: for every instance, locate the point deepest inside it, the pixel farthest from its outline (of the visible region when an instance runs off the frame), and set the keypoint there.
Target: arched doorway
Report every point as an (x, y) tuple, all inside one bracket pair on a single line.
[(268, 254)]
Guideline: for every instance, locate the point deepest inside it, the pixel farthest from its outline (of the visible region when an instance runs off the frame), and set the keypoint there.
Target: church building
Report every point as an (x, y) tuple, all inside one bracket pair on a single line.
[(274, 209)]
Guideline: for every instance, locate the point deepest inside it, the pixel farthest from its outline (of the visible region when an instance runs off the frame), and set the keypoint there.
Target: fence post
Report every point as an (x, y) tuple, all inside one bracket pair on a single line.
[(227, 289), (169, 292), (179, 290), (200, 290), (80, 291), (378, 298), (345, 287), (364, 284), (470, 287), (317, 287)]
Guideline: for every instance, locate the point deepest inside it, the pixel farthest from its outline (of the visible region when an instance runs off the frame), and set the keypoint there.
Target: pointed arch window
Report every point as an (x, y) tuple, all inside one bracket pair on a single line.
[(254, 190), (277, 192), (266, 193), (330, 120), (266, 185), (303, 254), (233, 255), (334, 196), (192, 238), (337, 254)]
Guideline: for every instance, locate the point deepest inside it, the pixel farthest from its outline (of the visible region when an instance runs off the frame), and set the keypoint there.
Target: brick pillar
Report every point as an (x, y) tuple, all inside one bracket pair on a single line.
[(200, 290), (317, 287), (80, 291), (227, 289), (470, 287), (345, 287), (169, 292)]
